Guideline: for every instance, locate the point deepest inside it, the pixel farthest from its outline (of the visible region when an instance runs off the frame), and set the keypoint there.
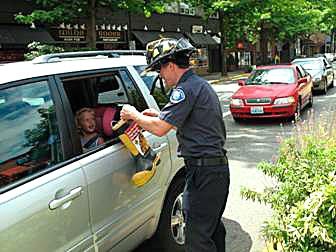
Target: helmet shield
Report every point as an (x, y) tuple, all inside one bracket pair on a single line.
[(160, 52)]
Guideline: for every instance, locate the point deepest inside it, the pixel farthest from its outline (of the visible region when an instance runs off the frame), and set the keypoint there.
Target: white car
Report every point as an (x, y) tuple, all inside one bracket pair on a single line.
[(56, 197), (320, 70)]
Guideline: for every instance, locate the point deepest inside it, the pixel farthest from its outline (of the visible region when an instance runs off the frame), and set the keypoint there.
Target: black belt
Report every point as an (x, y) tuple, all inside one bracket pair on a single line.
[(213, 161)]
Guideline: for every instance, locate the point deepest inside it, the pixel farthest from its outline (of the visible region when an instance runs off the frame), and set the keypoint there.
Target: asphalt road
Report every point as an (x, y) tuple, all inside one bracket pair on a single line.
[(249, 143)]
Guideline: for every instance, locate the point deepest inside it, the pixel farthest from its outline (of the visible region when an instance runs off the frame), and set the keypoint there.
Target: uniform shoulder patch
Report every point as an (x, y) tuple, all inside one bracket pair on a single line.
[(177, 95)]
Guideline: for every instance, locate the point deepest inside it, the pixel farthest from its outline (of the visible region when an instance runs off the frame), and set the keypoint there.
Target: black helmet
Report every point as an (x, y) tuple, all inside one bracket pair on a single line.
[(163, 50)]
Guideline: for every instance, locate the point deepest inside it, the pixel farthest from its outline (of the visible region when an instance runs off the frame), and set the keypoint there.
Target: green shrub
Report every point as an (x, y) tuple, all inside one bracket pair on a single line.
[(304, 198), (36, 49)]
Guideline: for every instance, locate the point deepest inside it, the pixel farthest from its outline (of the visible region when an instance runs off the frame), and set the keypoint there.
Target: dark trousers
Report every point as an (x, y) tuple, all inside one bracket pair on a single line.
[(204, 199)]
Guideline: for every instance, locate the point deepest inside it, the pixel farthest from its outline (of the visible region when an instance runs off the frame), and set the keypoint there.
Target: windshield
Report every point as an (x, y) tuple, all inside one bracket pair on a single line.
[(271, 76), (310, 65)]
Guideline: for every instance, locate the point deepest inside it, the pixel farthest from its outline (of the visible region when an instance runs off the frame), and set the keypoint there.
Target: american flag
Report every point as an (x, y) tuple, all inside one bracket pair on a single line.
[(133, 131)]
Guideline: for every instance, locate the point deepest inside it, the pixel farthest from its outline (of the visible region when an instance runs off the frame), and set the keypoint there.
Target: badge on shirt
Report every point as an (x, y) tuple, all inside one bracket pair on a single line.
[(177, 96)]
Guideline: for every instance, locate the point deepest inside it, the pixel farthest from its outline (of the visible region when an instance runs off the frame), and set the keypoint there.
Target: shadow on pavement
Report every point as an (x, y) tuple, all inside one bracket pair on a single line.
[(237, 240)]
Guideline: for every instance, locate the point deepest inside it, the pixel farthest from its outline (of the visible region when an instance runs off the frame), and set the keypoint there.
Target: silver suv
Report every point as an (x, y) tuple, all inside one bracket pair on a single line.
[(56, 197)]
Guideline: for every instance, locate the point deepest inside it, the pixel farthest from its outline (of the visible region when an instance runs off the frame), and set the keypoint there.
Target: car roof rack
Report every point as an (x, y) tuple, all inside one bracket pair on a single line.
[(57, 57)]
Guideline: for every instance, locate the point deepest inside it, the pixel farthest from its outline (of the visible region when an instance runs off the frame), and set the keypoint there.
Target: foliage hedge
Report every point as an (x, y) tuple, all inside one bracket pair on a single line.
[(36, 49), (304, 196)]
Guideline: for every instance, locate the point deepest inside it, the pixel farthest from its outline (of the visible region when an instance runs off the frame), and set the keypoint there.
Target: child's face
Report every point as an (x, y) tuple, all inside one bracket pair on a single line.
[(88, 122)]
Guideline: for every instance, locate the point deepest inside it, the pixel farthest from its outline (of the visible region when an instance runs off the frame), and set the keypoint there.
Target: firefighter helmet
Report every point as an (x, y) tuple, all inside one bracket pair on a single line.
[(161, 51)]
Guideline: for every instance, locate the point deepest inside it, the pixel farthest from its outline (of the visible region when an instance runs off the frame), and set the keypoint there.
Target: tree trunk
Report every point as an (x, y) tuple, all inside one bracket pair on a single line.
[(222, 28), (91, 29), (263, 45)]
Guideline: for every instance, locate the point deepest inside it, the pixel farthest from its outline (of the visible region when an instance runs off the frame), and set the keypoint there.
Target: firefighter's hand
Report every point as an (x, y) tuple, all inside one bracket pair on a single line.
[(151, 112), (129, 112)]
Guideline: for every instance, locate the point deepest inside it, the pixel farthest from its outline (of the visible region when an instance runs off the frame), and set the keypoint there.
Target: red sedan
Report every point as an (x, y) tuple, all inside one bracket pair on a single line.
[(273, 91)]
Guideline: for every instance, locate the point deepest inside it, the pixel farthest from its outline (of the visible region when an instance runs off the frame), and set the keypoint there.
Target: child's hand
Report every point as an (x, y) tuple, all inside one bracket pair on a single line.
[(151, 112)]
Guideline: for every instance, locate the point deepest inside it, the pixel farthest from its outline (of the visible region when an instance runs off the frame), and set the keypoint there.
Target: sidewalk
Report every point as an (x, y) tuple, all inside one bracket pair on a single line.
[(216, 78)]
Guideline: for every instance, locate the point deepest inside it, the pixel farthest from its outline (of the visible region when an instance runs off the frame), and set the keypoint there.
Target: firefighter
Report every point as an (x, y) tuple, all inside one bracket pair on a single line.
[(194, 111)]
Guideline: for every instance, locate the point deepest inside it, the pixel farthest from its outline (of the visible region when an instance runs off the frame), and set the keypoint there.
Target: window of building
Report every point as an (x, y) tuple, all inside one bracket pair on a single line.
[(187, 10), (30, 140), (171, 8)]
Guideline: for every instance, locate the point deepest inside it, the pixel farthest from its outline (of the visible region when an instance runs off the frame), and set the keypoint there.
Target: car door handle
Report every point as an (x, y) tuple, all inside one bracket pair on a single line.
[(158, 147), (74, 193)]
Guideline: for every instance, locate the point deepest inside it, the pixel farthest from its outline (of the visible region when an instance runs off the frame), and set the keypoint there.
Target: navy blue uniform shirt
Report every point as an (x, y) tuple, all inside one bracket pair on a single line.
[(194, 109)]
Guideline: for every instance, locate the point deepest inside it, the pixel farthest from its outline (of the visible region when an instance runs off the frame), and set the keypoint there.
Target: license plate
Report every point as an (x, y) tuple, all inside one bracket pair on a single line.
[(257, 110)]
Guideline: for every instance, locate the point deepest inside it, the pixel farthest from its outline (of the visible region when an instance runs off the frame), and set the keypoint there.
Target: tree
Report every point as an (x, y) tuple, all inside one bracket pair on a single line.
[(268, 20), (52, 11)]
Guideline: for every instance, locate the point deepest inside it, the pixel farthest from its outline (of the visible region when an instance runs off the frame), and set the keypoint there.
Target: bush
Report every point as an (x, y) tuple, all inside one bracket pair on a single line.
[(304, 198), (37, 49)]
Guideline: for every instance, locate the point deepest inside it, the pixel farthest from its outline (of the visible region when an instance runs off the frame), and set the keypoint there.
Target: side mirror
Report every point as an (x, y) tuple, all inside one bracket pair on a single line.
[(241, 82), (302, 80)]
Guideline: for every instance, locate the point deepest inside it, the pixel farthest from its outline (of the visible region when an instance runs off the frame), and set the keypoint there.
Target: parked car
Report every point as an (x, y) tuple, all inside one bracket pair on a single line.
[(321, 71), (56, 197), (330, 57), (272, 92)]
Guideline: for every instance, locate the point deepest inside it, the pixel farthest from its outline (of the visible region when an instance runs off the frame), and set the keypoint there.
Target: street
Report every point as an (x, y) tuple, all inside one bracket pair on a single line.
[(249, 143)]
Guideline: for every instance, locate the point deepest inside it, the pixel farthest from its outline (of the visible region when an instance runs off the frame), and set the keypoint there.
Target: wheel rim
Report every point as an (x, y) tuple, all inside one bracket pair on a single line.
[(325, 86), (177, 221)]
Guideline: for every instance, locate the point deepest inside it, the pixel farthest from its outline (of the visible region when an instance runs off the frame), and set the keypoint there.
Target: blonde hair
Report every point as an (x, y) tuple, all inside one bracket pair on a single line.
[(78, 117)]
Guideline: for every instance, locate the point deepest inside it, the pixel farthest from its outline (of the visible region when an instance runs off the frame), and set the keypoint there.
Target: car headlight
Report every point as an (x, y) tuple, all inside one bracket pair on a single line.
[(284, 100), (237, 102)]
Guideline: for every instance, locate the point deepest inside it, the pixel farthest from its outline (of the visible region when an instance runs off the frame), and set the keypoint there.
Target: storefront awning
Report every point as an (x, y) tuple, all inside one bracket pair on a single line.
[(146, 36), (201, 40), (20, 34)]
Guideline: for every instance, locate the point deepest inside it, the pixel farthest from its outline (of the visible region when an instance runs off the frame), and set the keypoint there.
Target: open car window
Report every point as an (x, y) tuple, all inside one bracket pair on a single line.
[(155, 85)]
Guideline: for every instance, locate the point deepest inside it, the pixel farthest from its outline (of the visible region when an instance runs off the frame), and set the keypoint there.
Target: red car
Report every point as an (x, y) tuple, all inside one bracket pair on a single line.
[(273, 91)]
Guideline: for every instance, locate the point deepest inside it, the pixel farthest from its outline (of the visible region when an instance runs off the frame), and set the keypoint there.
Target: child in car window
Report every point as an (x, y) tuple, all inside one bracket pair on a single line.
[(86, 125)]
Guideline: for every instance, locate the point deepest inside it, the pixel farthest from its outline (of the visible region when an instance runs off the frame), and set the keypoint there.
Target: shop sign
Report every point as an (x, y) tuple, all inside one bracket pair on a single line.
[(111, 36), (68, 35)]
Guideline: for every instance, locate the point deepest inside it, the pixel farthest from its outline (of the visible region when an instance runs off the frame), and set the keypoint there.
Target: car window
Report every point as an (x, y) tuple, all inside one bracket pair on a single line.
[(155, 86), (271, 76), (310, 65), (30, 140), (299, 72), (99, 98)]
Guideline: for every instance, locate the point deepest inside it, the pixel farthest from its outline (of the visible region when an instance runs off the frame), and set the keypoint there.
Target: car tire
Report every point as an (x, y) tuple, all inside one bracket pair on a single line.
[(325, 86), (311, 100), (171, 237), (332, 82), (297, 114), (237, 119)]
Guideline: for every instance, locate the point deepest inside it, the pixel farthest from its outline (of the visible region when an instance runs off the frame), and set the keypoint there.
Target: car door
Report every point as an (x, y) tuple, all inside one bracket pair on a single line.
[(305, 85), (120, 212), (43, 192)]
